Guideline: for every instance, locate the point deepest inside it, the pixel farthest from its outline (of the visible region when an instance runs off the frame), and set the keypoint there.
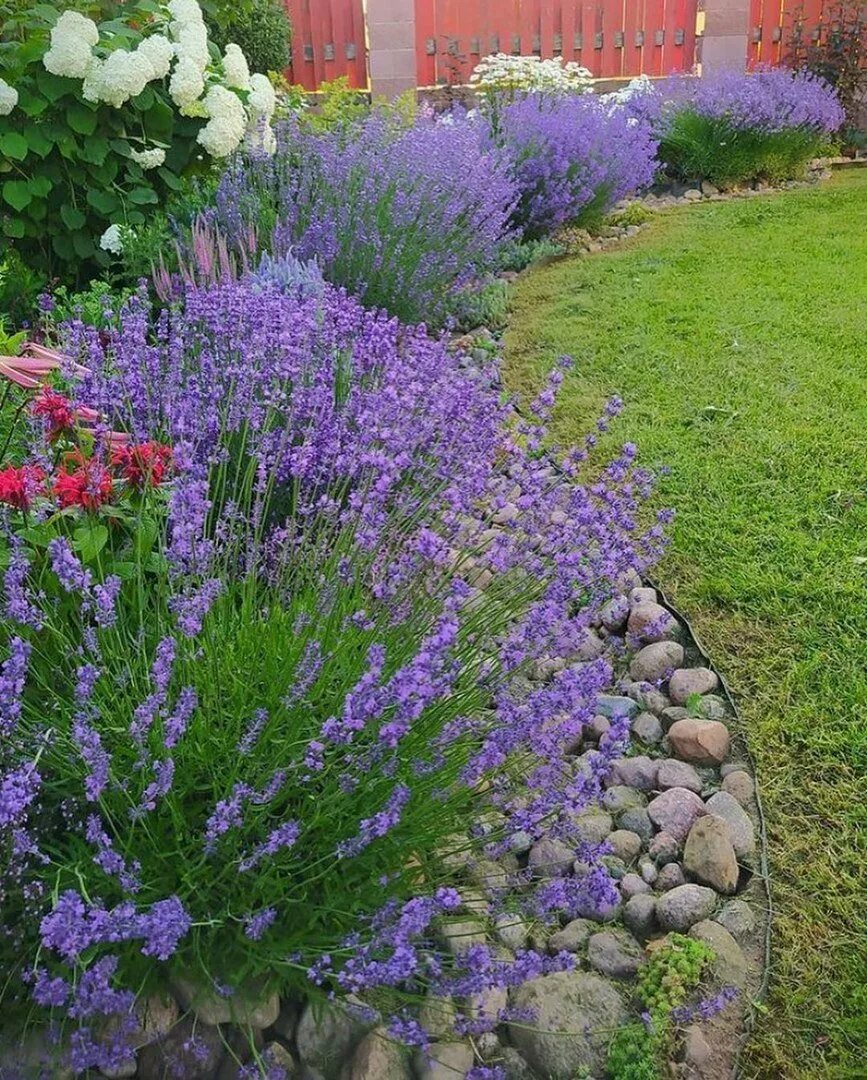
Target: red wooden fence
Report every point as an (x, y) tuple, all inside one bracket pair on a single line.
[(771, 23), (328, 40), (613, 38)]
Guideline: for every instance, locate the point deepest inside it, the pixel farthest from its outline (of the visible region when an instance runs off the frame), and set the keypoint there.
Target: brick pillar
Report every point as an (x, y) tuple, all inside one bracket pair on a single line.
[(726, 35), (391, 38)]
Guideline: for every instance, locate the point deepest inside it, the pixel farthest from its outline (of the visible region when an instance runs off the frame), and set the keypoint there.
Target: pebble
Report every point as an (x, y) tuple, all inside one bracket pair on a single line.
[(672, 713), (445, 1061), (460, 936), (729, 965), (730, 810), (709, 855), (688, 681), (675, 811), (704, 742), (648, 870), (712, 707), (511, 931), (573, 937), (648, 697), (738, 918), (614, 614), (633, 885), (651, 622), (673, 773), (626, 845), (664, 849), (639, 915), (647, 728), (684, 906), (619, 797), (550, 858), (611, 705), (615, 953), (670, 876), (637, 820), (654, 662), (740, 786), (642, 594), (378, 1057), (590, 826)]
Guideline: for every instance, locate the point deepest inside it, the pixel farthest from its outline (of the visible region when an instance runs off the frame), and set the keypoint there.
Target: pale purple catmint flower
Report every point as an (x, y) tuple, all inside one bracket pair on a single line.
[(18, 605), (256, 925), (284, 836), (72, 575), (105, 601), (13, 675), (176, 723)]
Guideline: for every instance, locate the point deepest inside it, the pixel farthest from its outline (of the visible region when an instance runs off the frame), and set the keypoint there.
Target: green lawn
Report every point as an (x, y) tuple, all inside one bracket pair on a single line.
[(737, 335)]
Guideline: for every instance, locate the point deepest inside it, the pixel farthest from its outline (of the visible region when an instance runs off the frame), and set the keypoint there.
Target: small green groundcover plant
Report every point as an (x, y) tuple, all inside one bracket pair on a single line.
[(99, 122)]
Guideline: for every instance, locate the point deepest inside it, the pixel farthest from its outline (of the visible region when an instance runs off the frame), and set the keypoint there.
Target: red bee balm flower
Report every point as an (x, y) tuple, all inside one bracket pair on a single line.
[(56, 409), (146, 463), (18, 486), (88, 486)]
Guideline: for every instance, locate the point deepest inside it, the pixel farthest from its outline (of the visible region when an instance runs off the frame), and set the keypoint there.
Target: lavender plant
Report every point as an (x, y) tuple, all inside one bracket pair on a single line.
[(256, 761), (402, 217), (572, 159)]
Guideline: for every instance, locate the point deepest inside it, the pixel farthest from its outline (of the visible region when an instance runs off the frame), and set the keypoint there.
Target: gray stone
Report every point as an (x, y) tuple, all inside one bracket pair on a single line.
[(487, 874), (277, 1054), (647, 728), (437, 1016), (673, 773), (730, 810), (590, 647), (670, 876), (738, 918), (600, 725), (647, 869), (616, 867), (712, 707), (550, 858), (615, 953), (639, 916), (643, 594), (638, 821), (663, 848), (514, 1065), (445, 1061), (688, 681), (325, 1036), (610, 705), (648, 697), (460, 936), (730, 767), (729, 965), (118, 1072), (572, 938), (575, 1012), (740, 786), (626, 845), (654, 662), (590, 826), (512, 931), (651, 622), (684, 906), (619, 797), (257, 1010), (520, 842), (635, 772), (709, 856), (614, 614), (703, 742), (672, 713), (633, 885), (192, 1050), (675, 811)]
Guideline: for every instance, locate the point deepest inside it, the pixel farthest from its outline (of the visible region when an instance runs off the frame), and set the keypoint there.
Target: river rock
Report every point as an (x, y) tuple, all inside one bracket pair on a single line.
[(688, 681), (639, 916), (636, 820), (739, 785), (635, 772), (647, 728), (738, 918), (670, 876), (673, 773), (192, 1050), (247, 1009), (378, 1057), (445, 1061), (654, 662), (684, 906), (704, 742), (730, 810), (620, 797), (633, 885), (573, 937), (709, 856), (325, 1036), (575, 1012), (729, 965), (675, 811), (590, 826), (610, 705), (626, 845), (550, 858), (615, 953), (651, 622), (663, 849)]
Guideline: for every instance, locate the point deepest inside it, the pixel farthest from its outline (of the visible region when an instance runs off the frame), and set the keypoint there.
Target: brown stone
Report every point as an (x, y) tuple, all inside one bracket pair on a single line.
[(709, 855), (703, 742)]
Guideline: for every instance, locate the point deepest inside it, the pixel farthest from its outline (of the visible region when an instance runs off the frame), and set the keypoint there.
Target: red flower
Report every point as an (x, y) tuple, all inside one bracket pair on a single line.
[(88, 486), (18, 486), (146, 463), (56, 409)]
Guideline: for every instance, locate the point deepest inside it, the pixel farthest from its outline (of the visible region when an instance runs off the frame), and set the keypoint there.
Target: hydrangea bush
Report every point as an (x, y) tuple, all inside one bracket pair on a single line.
[(242, 751), (99, 122), (401, 216), (572, 158)]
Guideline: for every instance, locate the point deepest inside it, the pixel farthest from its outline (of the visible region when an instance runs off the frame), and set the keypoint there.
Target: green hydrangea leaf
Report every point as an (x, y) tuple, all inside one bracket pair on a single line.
[(17, 193), (81, 119), (73, 218), (14, 146)]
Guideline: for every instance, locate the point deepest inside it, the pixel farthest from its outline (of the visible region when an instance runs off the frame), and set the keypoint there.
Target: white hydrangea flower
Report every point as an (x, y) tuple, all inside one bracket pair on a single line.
[(70, 52), (8, 98), (159, 51), (192, 43), (122, 76), (227, 124), (111, 240), (92, 85), (186, 84), (262, 100), (235, 69), (149, 159), (185, 12)]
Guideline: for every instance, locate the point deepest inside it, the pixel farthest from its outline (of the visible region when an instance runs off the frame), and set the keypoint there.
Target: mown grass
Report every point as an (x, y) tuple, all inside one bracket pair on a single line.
[(737, 335)]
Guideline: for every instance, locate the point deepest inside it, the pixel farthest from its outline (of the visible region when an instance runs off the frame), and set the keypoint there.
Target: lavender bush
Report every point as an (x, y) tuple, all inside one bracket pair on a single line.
[(251, 753), (733, 127), (572, 159), (402, 217)]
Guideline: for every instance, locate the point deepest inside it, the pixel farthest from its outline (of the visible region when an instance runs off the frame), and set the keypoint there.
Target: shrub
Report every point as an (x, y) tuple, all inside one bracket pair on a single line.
[(262, 30), (572, 159), (97, 126), (733, 127), (402, 217), (231, 696)]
